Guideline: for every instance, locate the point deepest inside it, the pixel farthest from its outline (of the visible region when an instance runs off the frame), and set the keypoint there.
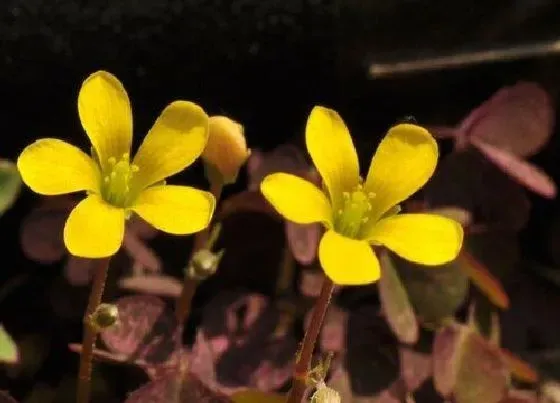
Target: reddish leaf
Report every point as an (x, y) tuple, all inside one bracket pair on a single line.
[(41, 231), (176, 388), (142, 255), (483, 279), (285, 158), (311, 282), (519, 170), (160, 285), (521, 370), (518, 119), (6, 398), (395, 303), (416, 367), (303, 240), (520, 396), (145, 330), (247, 201), (141, 228)]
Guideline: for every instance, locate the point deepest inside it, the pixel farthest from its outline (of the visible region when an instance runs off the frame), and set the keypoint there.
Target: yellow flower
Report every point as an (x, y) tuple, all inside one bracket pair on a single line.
[(358, 214), (226, 150), (115, 185)]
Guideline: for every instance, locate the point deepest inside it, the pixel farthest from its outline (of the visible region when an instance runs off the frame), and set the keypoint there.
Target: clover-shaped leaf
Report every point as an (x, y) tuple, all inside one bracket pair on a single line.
[(145, 329), (446, 286), (395, 303), (153, 284), (467, 367), (10, 184)]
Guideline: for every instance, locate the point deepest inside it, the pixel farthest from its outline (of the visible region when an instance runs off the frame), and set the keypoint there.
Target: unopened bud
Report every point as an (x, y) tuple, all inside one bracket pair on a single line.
[(105, 316), (203, 264), (226, 150), (324, 394)]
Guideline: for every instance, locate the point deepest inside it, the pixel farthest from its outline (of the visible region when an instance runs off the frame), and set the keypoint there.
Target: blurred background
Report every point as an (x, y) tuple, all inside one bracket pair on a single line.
[(264, 63)]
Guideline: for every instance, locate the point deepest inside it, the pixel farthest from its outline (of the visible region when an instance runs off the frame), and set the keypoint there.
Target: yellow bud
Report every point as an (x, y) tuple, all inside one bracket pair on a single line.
[(226, 150), (324, 394)]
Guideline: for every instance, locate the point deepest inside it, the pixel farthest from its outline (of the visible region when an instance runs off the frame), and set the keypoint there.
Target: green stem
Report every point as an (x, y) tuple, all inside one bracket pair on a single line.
[(301, 371), (90, 334)]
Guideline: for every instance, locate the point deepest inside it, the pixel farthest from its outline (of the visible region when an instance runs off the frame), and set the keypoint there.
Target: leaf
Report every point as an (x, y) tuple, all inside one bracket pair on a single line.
[(435, 293), (145, 330), (483, 279), (6, 398), (8, 348), (41, 230), (521, 370), (247, 201), (303, 240), (79, 271), (10, 184), (467, 180), (525, 173), (176, 388), (395, 303), (517, 118), (520, 396), (256, 396), (460, 215), (153, 284), (416, 367), (141, 253), (372, 357), (468, 367), (284, 158)]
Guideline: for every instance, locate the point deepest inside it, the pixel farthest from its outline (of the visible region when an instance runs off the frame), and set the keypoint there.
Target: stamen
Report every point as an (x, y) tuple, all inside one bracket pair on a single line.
[(116, 184), (354, 212)]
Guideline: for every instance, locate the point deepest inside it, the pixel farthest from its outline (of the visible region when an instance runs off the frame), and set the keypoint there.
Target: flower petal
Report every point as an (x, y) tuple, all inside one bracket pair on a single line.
[(176, 209), (332, 151), (404, 161), (428, 239), (347, 261), (53, 167), (296, 199), (106, 116), (177, 139), (94, 229)]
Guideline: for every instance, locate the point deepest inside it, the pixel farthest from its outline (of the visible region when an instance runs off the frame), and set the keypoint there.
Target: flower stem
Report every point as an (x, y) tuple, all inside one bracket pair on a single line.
[(304, 357), (90, 334), (183, 306)]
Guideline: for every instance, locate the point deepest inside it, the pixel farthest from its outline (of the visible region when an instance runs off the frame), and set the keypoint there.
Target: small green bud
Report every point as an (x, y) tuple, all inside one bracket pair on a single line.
[(324, 394), (105, 316), (203, 264)]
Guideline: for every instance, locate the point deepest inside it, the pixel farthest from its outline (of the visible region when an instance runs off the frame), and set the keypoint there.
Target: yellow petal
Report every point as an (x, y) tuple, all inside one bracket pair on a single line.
[(175, 209), (347, 261), (296, 199), (405, 159), (177, 139), (94, 229), (427, 239), (106, 116), (53, 167), (330, 146)]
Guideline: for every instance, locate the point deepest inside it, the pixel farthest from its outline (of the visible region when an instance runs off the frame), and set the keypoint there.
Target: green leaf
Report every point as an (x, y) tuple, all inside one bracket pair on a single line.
[(8, 348), (395, 303), (10, 184)]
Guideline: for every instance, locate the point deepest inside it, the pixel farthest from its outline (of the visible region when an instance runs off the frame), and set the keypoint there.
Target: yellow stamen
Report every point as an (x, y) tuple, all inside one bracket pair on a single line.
[(356, 207), (115, 188)]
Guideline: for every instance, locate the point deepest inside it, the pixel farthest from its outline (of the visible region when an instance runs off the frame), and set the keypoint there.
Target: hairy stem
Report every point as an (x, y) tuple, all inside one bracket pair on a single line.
[(304, 359), (90, 334), (183, 306)]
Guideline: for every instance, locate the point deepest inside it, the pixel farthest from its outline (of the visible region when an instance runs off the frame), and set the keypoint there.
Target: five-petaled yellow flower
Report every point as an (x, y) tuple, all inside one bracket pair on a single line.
[(358, 214), (115, 185)]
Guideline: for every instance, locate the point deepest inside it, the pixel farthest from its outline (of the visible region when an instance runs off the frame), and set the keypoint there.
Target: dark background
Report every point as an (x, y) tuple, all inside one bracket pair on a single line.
[(262, 62)]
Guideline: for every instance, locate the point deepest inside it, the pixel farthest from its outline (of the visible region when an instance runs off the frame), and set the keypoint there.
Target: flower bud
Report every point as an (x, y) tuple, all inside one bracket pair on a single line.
[(203, 264), (104, 316), (226, 150), (324, 394)]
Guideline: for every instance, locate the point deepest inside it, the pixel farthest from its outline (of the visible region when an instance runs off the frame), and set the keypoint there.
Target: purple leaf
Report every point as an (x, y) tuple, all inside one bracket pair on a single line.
[(285, 158), (303, 240), (160, 285), (142, 255), (145, 330), (79, 271), (518, 119), (521, 171)]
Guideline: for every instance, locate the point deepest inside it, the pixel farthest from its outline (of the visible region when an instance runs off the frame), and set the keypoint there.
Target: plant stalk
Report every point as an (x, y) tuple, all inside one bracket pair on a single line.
[(183, 307), (299, 384), (90, 333)]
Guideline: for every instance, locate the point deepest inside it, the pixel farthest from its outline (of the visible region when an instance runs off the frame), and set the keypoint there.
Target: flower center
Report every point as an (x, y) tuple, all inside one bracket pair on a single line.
[(354, 212), (115, 188)]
